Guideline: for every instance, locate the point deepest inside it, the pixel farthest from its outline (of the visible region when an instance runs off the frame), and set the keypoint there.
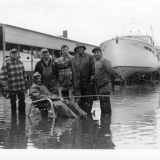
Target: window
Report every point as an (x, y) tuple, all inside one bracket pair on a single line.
[(142, 38), (130, 37), (10, 46)]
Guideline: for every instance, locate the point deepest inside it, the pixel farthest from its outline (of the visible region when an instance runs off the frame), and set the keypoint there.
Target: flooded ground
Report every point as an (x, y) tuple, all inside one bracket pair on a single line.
[(134, 124)]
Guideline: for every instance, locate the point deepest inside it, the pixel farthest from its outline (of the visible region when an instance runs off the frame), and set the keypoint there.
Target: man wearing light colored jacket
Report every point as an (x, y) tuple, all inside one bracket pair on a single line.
[(104, 74), (39, 91)]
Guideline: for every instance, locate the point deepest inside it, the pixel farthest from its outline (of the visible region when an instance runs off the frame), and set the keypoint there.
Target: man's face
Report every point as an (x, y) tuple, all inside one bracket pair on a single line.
[(14, 54), (39, 80), (97, 54), (65, 51), (45, 54), (80, 50)]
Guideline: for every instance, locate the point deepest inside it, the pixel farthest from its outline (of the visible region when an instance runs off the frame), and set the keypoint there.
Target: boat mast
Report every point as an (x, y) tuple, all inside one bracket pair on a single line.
[(132, 25), (153, 25)]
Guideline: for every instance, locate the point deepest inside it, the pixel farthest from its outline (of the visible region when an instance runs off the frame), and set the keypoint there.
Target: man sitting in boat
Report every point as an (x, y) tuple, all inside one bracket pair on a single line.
[(39, 91)]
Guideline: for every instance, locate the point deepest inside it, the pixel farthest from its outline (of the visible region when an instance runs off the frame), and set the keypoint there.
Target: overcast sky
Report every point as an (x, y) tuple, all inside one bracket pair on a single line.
[(88, 21)]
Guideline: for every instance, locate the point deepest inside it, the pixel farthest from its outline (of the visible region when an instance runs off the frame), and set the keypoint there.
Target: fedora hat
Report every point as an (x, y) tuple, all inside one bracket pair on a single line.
[(96, 48), (79, 45)]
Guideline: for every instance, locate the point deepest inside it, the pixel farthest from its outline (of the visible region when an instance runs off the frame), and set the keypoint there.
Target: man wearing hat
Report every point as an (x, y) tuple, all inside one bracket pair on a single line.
[(104, 73), (14, 80), (48, 71), (82, 65)]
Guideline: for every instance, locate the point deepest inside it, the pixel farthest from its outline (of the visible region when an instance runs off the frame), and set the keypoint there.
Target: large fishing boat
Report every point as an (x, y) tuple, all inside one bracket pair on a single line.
[(131, 54)]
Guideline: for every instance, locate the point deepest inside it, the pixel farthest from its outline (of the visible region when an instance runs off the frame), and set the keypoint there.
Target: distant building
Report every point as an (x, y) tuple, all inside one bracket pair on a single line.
[(29, 43)]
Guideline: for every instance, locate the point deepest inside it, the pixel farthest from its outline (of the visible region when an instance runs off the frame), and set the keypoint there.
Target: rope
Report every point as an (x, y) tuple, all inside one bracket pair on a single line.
[(142, 79), (87, 96)]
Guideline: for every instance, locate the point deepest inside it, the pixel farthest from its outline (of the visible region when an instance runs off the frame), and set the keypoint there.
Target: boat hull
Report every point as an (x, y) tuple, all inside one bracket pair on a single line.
[(130, 56)]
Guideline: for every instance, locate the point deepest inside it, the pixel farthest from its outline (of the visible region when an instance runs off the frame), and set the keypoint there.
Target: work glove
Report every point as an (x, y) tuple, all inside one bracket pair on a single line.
[(27, 86), (91, 83), (5, 92), (5, 88), (77, 100), (66, 101)]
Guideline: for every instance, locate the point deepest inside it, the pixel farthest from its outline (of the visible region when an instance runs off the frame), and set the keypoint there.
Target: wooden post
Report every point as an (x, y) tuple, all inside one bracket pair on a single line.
[(4, 44), (19, 50), (53, 55), (39, 55), (32, 60)]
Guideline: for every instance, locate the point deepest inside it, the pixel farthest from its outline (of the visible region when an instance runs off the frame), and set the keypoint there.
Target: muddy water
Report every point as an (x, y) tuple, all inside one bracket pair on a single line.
[(134, 124)]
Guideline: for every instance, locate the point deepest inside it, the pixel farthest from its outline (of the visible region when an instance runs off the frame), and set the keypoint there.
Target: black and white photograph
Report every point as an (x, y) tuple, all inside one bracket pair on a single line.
[(80, 79)]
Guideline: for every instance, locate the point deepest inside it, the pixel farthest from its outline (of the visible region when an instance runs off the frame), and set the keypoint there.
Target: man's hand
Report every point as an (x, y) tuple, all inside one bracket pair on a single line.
[(55, 63), (4, 83), (77, 100), (27, 86), (6, 88), (66, 101), (91, 83)]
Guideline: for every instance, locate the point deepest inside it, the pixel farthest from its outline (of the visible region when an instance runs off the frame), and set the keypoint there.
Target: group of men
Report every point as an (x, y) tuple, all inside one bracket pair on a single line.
[(80, 78)]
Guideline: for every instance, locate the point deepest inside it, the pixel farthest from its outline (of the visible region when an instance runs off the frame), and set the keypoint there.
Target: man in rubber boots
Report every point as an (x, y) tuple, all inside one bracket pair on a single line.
[(48, 71), (104, 74), (65, 75), (14, 80), (83, 70)]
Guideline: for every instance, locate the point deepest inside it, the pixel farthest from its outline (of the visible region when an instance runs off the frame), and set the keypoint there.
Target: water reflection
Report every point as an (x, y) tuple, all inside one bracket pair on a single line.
[(51, 133), (69, 133), (95, 134), (134, 117), (134, 123), (16, 134), (104, 136)]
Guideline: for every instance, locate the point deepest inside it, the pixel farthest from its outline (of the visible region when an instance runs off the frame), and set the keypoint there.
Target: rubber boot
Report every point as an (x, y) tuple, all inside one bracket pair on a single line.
[(65, 94), (89, 108), (105, 105), (22, 108), (44, 113), (13, 108)]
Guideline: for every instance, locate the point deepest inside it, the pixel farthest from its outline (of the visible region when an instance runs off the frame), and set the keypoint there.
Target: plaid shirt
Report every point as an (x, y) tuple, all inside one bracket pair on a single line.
[(13, 72)]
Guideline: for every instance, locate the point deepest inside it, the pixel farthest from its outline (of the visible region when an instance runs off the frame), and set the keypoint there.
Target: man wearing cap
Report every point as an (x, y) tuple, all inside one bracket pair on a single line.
[(48, 71), (104, 73), (14, 79), (82, 65), (62, 106), (65, 75)]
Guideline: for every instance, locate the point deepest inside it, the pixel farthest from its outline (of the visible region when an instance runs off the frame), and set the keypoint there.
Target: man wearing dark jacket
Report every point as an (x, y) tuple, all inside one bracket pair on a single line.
[(83, 70), (104, 73), (48, 71)]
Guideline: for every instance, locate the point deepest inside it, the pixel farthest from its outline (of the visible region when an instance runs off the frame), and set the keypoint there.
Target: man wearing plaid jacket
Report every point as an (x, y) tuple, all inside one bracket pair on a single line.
[(13, 78)]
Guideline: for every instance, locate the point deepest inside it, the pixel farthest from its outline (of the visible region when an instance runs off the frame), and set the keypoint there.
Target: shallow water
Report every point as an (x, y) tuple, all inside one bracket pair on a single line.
[(134, 124)]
